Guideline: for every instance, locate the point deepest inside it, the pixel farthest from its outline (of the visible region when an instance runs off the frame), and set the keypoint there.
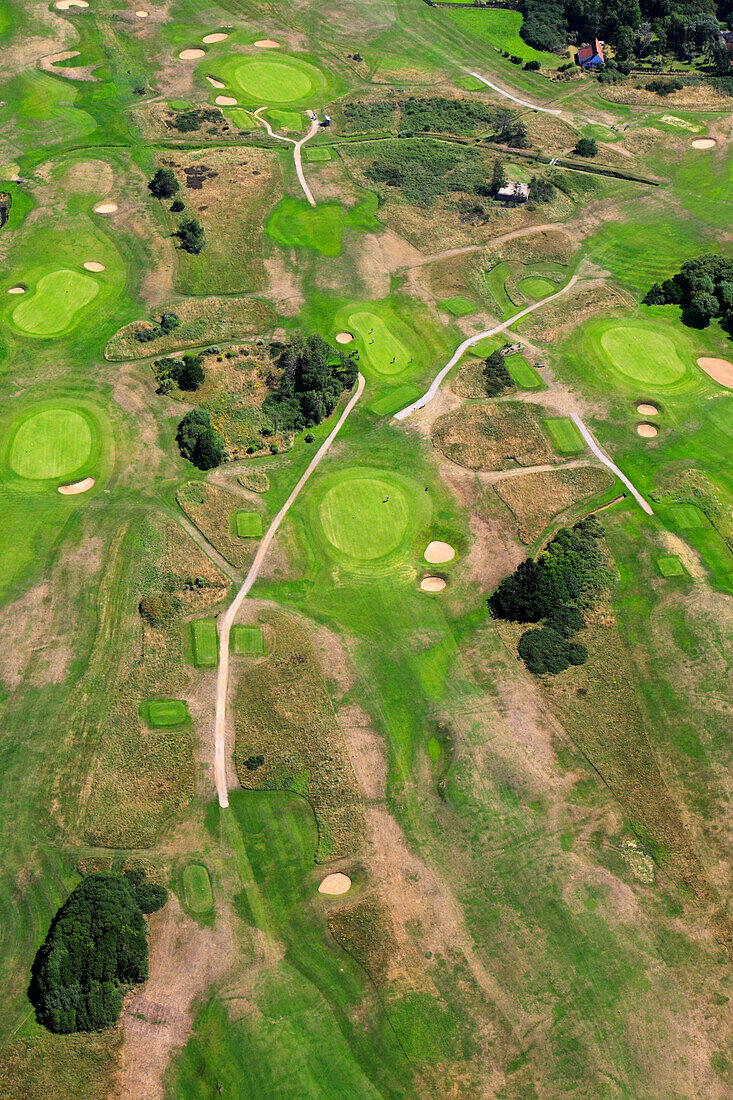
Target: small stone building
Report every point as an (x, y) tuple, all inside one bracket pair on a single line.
[(513, 191)]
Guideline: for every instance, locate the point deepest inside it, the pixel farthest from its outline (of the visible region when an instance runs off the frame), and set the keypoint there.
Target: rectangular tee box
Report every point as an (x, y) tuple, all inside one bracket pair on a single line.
[(564, 435), (249, 525), (205, 643), (669, 565), (248, 640)]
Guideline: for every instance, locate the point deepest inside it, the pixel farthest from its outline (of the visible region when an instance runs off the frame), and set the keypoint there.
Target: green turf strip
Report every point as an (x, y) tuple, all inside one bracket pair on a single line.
[(317, 155), (687, 516), (364, 517), (669, 565), (51, 443), (205, 643), (249, 524), (167, 712), (564, 435), (248, 641), (57, 300), (197, 888), (525, 376), (394, 399), (458, 306), (535, 287)]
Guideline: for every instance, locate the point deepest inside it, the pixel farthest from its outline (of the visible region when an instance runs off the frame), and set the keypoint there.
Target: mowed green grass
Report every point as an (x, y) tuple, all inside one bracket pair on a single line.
[(294, 223), (564, 435), (248, 524), (163, 713), (687, 516), (197, 890), (55, 303), (205, 643), (273, 80), (51, 443), (535, 287), (364, 517), (459, 306), (642, 354), (669, 565), (248, 640), (378, 344), (525, 376)]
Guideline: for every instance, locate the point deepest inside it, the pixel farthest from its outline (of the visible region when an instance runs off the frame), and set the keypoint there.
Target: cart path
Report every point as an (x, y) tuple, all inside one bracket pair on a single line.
[(227, 620), (299, 143), (470, 341), (590, 440), (521, 102)]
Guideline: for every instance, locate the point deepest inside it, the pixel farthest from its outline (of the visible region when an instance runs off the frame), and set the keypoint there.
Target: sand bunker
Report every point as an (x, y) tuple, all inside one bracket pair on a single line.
[(646, 431), (218, 36), (438, 552), (647, 410), (76, 487), (142, 14), (93, 265), (720, 370), (190, 55), (344, 337), (17, 290), (704, 143), (64, 5), (216, 83), (105, 208), (268, 44), (335, 884), (225, 101), (432, 584)]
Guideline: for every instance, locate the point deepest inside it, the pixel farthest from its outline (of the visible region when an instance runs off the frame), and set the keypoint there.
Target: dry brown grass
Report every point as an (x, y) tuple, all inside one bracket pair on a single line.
[(695, 96), (549, 323), (548, 133), (255, 480), (557, 245), (364, 930), (203, 321), (493, 436), (469, 380), (283, 711), (56, 1067), (211, 509), (535, 499)]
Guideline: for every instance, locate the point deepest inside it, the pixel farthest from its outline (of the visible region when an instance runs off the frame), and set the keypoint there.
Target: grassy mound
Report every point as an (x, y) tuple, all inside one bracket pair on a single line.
[(163, 713), (54, 442)]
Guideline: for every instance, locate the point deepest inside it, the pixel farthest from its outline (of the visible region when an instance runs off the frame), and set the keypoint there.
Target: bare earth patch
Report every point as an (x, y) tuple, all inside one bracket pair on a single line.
[(646, 431), (335, 884), (76, 487), (720, 370), (438, 552)]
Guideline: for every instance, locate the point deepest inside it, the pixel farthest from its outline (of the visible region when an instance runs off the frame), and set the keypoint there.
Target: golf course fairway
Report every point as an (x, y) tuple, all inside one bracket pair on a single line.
[(55, 303), (52, 443)]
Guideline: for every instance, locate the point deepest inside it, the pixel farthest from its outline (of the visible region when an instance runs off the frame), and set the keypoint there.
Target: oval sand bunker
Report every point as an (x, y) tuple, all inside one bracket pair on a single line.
[(93, 265), (64, 5), (218, 36), (225, 101), (17, 290), (647, 410), (105, 208), (720, 370), (335, 884), (438, 552), (267, 44), (646, 431), (344, 337), (432, 584), (216, 83), (141, 14), (191, 55), (704, 143), (76, 487)]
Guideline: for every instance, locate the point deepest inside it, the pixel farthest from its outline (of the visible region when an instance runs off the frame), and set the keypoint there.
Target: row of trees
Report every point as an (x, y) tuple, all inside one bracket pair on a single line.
[(95, 949), (190, 232), (566, 579), (703, 288)]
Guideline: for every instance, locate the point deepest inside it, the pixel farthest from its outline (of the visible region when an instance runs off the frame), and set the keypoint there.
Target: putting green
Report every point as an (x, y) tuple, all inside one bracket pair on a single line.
[(275, 80), (55, 303), (364, 517), (52, 443), (378, 345), (163, 713), (640, 353)]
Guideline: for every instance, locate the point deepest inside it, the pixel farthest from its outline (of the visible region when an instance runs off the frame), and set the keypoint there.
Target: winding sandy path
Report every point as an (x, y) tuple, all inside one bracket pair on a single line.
[(526, 231), (222, 683), (469, 342), (299, 143), (521, 102), (590, 440)]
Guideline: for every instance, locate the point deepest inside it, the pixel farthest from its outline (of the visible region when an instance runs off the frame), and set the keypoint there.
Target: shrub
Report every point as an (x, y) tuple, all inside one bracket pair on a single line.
[(540, 189), (586, 147), (148, 896), (252, 763), (566, 619), (198, 441), (532, 66), (191, 235), (164, 184), (309, 437), (543, 650), (158, 609), (177, 206), (191, 374)]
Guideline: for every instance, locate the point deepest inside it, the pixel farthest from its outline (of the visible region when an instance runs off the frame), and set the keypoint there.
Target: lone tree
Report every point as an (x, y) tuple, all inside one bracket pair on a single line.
[(191, 235), (199, 441), (586, 147), (498, 178), (164, 184)]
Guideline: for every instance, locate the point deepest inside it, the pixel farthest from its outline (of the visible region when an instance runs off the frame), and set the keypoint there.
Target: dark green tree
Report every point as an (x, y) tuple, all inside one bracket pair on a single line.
[(496, 376), (164, 184), (498, 178), (199, 441), (586, 147), (191, 235)]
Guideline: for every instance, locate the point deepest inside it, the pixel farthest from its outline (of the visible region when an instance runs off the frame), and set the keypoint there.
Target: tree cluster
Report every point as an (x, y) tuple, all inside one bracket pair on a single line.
[(586, 147), (496, 376), (199, 441), (191, 236), (314, 377), (156, 329), (509, 130), (188, 120), (566, 578), (95, 948), (186, 372), (703, 288)]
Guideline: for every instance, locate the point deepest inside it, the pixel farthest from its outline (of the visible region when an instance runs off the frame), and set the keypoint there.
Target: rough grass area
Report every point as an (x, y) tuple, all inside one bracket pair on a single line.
[(535, 499), (56, 1067), (564, 435), (211, 509), (283, 711), (249, 525), (547, 324), (197, 892), (205, 641), (493, 436), (203, 321)]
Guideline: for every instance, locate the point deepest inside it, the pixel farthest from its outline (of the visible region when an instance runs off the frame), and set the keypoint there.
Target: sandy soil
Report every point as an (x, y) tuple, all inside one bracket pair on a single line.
[(438, 552), (142, 14), (646, 431), (432, 584), (93, 265), (344, 337), (720, 370), (105, 208), (64, 5), (647, 410), (335, 884), (225, 101), (191, 55), (17, 290), (704, 143), (217, 36), (267, 44), (76, 487), (216, 83)]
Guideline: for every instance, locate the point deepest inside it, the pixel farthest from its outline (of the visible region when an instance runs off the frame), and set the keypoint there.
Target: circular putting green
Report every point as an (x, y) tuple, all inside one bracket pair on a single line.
[(277, 79), (378, 345), (364, 517), (56, 302), (643, 354), (52, 443)]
